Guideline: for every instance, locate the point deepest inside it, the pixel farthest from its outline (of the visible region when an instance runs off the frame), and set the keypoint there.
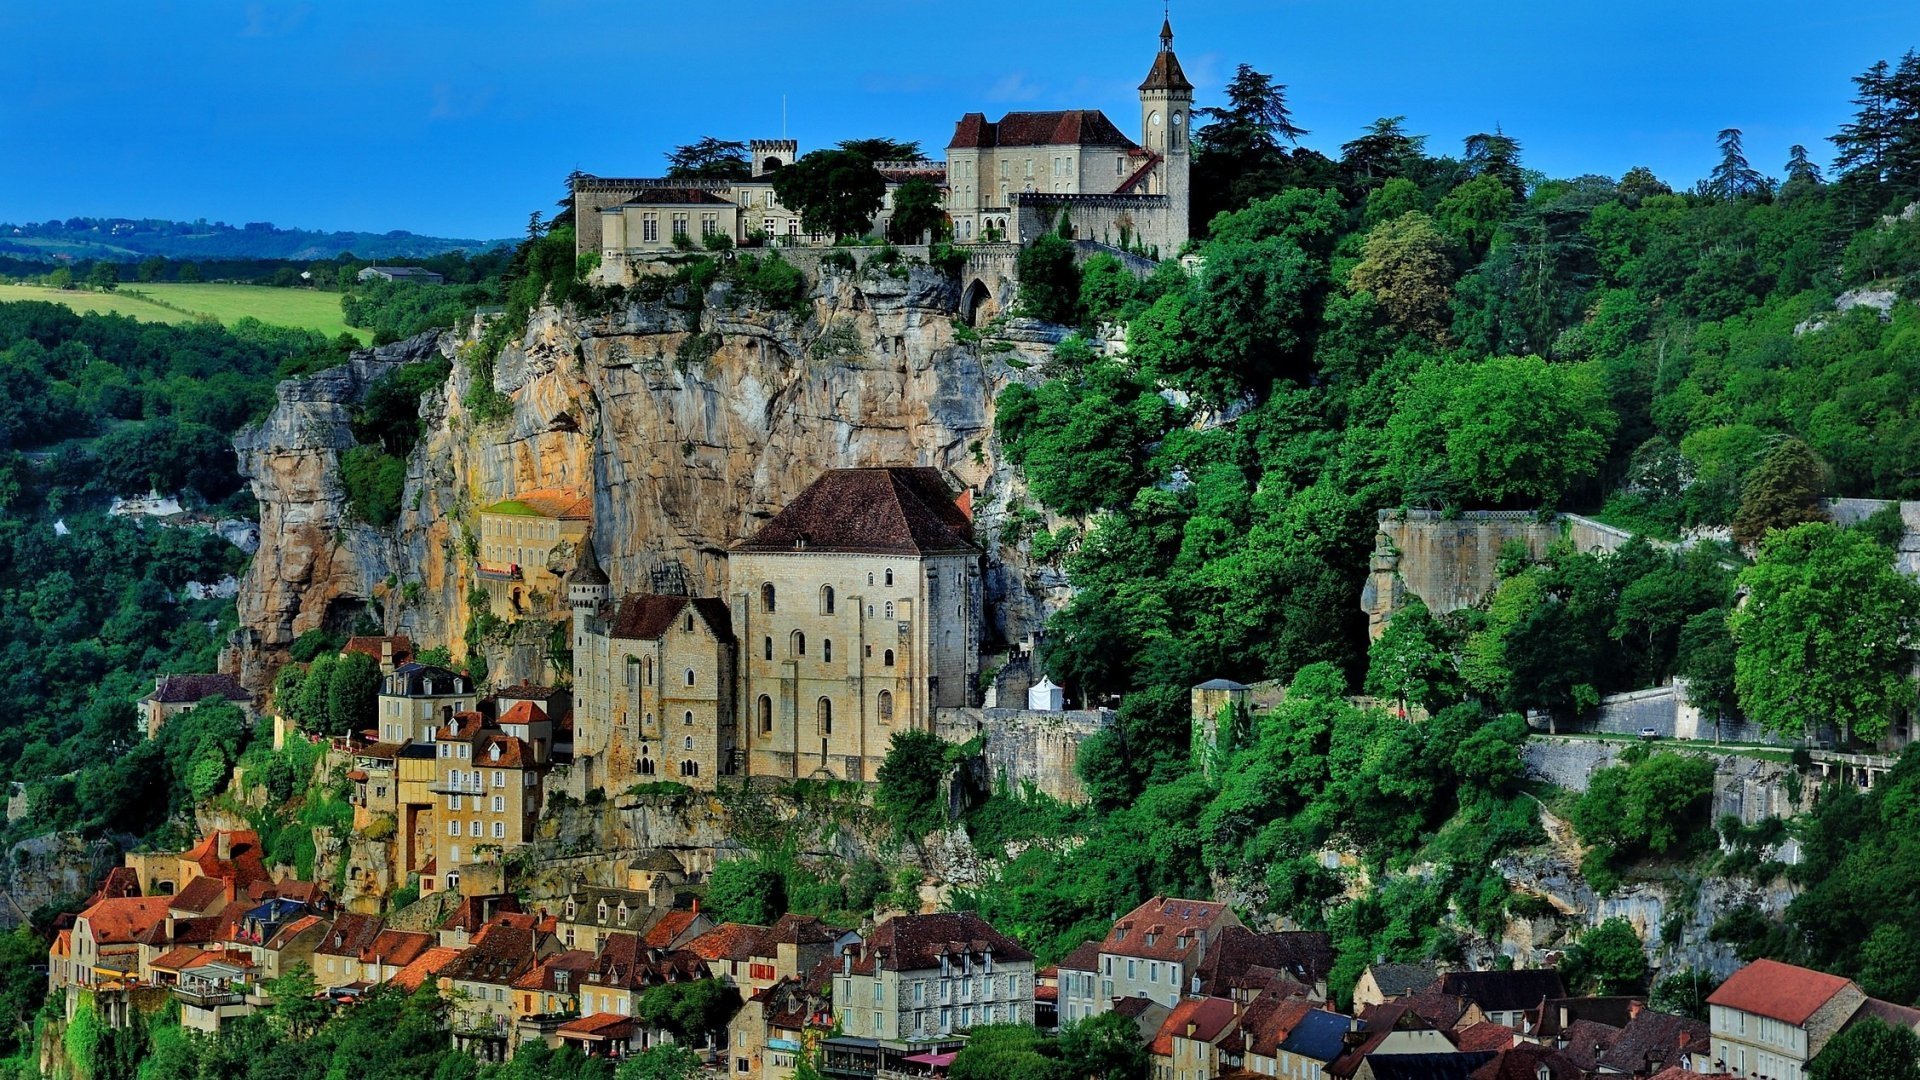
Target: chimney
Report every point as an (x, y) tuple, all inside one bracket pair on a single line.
[(386, 652), (1191, 1028), (223, 843), (1633, 1009)]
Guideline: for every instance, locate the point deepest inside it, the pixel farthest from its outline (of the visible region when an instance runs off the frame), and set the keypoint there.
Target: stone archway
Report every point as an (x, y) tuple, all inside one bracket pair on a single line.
[(974, 300)]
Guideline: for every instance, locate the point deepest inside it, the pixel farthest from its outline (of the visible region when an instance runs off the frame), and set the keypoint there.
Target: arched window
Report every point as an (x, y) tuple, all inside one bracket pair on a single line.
[(889, 609), (824, 712), (688, 625), (886, 706), (869, 578), (889, 577), (688, 719), (649, 666), (689, 676), (826, 650), (766, 714), (689, 768), (766, 596), (826, 599), (886, 658), (769, 648), (799, 643), (689, 742), (646, 764)]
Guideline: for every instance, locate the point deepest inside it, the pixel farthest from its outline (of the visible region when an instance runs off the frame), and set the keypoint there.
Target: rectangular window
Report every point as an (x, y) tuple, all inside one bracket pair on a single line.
[(453, 828), (453, 802), (499, 778), (499, 830), (679, 226), (650, 228), (475, 830), (499, 804), (709, 224)]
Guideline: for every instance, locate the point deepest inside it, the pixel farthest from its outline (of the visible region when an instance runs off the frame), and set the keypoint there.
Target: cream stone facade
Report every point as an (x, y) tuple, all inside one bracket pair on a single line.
[(655, 687), (488, 791), (924, 977), (854, 614), (525, 544), (1002, 181)]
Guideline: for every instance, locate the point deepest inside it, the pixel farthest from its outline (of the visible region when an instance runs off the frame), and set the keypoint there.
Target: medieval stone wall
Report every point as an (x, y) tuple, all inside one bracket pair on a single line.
[(1118, 220), (1024, 747)]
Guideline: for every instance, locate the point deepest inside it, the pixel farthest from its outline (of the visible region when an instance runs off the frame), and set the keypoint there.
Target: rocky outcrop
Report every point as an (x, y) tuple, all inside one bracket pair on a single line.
[(687, 436)]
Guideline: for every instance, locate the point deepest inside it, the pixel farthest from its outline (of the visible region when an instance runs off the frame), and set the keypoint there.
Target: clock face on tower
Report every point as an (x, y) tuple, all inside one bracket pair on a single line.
[(1154, 119)]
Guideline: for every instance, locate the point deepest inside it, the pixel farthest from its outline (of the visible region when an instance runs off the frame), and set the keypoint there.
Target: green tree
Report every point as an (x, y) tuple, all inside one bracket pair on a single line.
[(1409, 662), (1407, 268), (692, 1011), (1386, 150), (1868, 1050), (884, 149), (61, 277), (917, 213), (1474, 212), (1608, 960), (1512, 430), (836, 192), (1050, 280), (747, 891), (1104, 1047), (709, 158), (1785, 490), (1684, 993), (1822, 637), (1733, 178), (670, 1062), (908, 792), (298, 1008), (104, 276)]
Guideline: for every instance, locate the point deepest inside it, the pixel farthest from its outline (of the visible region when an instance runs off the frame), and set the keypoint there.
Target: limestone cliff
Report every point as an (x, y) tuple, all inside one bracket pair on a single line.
[(685, 445)]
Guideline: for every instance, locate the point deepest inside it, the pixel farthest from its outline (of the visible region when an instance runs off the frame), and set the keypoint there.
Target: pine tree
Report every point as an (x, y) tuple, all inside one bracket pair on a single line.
[(1256, 117), (1862, 144), (1386, 150), (1800, 166), (1734, 178), (1902, 159), (1496, 154)]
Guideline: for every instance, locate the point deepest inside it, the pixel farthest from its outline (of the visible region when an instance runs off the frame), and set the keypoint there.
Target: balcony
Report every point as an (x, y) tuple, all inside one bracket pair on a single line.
[(509, 572), (464, 787)]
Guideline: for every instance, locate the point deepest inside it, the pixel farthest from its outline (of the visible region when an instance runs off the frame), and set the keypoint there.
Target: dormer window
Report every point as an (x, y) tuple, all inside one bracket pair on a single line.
[(494, 752)]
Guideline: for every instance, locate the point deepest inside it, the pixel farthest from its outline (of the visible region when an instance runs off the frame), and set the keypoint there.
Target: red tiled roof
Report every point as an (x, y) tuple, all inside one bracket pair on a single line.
[(472, 912), (551, 503), (121, 921), (1046, 993), (1067, 127), (396, 947), (541, 977), (201, 895), (350, 935), (1525, 1062), (285, 935), (424, 967), (374, 647), (1165, 928), (728, 941), (624, 961), (176, 959), (243, 865), (1084, 958), (793, 929), (881, 511), (599, 1026), (120, 882), (1208, 1016), (661, 935), (523, 711), (1484, 1036), (1780, 991)]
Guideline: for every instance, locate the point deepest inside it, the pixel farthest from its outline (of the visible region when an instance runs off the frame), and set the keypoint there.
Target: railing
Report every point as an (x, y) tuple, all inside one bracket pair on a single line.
[(448, 787)]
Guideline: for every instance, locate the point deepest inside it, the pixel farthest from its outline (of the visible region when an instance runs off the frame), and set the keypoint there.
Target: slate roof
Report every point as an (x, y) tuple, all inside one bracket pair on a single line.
[(576, 962), (1223, 684), (1084, 958), (1557, 1013), (1653, 1040), (671, 196), (1779, 991), (586, 565), (1887, 1013), (1504, 991), (1585, 1042), (1524, 1062), (1165, 73), (193, 689), (657, 859), (1066, 127), (627, 962), (1398, 980), (883, 511), (1319, 1035), (917, 942), (424, 680), (645, 616)]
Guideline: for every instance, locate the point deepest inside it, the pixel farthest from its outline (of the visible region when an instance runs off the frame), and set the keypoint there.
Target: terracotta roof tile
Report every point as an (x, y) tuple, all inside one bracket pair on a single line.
[(1209, 1017), (1652, 1040), (882, 511), (1166, 928), (202, 895), (522, 712), (728, 941), (1779, 991), (793, 929), (375, 647), (350, 935), (121, 921), (1067, 127), (574, 961), (425, 966), (662, 934), (1484, 1036), (600, 1026)]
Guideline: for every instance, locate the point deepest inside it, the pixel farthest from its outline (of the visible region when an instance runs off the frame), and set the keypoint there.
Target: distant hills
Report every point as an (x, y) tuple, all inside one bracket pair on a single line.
[(131, 239)]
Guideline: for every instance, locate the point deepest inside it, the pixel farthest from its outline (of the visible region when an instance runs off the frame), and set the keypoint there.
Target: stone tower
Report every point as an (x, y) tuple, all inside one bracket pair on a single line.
[(587, 584), (1166, 112)]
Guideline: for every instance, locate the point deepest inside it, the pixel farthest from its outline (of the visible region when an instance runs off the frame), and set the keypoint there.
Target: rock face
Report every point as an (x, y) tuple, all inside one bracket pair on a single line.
[(687, 436)]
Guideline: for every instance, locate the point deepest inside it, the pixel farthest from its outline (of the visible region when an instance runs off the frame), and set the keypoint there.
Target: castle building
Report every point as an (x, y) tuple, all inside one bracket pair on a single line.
[(1015, 178), (855, 613), (857, 607), (655, 678), (1005, 181), (525, 541)]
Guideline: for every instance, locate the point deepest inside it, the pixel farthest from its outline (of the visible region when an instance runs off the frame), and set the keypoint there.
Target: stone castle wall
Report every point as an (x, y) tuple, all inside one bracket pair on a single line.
[(1118, 220), (1027, 747)]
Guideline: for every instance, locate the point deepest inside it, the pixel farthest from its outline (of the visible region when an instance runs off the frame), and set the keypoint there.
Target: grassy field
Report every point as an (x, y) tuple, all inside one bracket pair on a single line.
[(175, 303)]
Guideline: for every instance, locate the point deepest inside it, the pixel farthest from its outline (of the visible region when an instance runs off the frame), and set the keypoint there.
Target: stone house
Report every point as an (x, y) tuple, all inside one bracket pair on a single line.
[(1770, 1019), (1077, 978), (1155, 949), (549, 995), (1504, 997), (175, 694), (590, 913), (104, 942), (479, 984), (858, 609), (1384, 982), (526, 542), (416, 698), (489, 790), (1187, 1045), (656, 681), (921, 978)]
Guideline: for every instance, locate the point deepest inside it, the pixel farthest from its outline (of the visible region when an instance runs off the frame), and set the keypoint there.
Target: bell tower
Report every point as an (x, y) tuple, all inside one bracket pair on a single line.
[(1166, 114)]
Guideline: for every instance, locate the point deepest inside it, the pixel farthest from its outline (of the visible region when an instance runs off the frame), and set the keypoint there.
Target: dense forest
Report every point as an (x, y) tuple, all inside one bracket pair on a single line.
[(132, 238)]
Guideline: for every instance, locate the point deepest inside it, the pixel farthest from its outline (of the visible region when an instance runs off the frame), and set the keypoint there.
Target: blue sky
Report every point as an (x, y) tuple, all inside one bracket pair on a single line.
[(460, 118)]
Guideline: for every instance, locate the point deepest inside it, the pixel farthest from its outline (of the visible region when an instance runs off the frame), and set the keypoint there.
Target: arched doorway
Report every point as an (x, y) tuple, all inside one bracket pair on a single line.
[(976, 298)]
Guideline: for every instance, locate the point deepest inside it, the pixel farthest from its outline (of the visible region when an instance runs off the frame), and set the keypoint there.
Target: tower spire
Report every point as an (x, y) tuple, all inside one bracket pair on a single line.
[(1166, 27)]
